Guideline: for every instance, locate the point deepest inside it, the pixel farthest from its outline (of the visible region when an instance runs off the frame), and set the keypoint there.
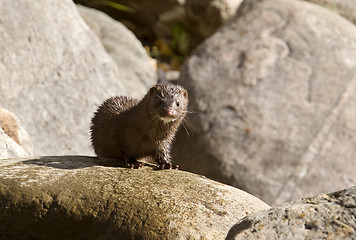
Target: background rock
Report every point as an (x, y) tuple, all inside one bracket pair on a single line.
[(74, 197), (54, 75), (145, 15), (154, 19), (9, 148), (121, 44), (14, 140), (327, 216), (273, 95), (206, 16), (346, 8)]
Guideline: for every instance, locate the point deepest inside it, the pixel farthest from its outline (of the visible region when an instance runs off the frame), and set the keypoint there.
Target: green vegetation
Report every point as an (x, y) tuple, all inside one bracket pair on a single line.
[(115, 5), (169, 51)]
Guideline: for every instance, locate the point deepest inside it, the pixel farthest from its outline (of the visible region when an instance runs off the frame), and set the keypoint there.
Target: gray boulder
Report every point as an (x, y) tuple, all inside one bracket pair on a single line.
[(206, 16), (326, 216), (272, 100), (346, 8), (54, 72), (136, 69), (77, 197), (14, 140), (9, 148)]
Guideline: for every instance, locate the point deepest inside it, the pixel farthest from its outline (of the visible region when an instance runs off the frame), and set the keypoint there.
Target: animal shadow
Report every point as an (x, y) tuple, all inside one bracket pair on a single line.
[(73, 162)]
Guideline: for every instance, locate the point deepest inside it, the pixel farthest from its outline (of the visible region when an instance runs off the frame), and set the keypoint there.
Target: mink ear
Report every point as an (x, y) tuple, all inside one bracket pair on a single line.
[(153, 90), (185, 93)]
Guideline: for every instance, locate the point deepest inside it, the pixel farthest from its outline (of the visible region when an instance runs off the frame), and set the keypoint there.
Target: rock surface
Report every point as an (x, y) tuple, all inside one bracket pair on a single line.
[(273, 93), (208, 15), (137, 71), (9, 148), (14, 140), (54, 75), (346, 8), (77, 197), (326, 216)]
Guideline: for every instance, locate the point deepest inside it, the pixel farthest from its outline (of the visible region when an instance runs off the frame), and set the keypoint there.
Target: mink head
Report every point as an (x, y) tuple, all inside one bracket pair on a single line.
[(168, 102)]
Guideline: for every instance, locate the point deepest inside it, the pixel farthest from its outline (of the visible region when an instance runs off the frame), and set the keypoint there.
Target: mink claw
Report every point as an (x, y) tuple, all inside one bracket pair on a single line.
[(130, 165), (139, 164), (168, 166), (135, 165)]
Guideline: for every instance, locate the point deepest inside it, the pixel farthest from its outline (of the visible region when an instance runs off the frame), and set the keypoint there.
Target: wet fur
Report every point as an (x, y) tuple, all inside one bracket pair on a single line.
[(129, 129)]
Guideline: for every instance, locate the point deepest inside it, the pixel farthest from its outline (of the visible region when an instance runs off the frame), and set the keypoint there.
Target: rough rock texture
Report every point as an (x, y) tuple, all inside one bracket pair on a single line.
[(326, 216), (77, 197), (54, 72), (274, 96), (346, 8), (127, 51), (14, 140)]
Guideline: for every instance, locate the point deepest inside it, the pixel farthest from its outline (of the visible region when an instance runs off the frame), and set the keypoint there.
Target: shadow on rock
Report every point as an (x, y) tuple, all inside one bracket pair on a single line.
[(74, 162)]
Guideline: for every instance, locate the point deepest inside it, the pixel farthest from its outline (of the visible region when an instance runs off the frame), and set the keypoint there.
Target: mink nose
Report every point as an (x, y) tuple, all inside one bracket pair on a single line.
[(169, 112)]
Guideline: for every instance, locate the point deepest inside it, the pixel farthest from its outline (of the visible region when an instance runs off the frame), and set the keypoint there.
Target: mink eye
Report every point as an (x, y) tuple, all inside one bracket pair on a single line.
[(177, 103)]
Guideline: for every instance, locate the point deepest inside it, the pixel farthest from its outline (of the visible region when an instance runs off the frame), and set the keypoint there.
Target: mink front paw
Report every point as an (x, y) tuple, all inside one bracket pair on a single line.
[(162, 166), (133, 164), (164, 161)]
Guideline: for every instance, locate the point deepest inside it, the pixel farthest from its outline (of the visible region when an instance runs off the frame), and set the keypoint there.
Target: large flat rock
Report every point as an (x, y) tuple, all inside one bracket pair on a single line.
[(273, 101), (77, 197)]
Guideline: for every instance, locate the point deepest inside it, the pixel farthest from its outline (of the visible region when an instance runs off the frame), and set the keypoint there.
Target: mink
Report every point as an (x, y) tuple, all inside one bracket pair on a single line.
[(128, 129)]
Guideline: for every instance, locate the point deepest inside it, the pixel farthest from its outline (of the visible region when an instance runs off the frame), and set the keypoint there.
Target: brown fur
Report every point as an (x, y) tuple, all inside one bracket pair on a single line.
[(129, 129)]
